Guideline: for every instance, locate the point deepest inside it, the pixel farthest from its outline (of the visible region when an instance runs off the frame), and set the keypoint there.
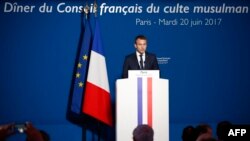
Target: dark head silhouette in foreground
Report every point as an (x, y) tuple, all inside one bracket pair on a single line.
[(143, 133)]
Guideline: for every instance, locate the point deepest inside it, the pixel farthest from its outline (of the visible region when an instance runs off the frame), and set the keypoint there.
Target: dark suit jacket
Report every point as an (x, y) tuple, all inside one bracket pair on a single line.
[(131, 63)]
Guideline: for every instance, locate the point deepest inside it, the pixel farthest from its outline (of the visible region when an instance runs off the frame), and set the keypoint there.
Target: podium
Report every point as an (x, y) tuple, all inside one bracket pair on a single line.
[(142, 98)]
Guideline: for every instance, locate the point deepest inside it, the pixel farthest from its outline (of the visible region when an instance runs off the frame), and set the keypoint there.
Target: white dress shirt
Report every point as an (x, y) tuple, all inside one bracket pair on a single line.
[(138, 58)]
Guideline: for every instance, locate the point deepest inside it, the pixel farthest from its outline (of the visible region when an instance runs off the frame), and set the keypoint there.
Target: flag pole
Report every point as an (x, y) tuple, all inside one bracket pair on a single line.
[(85, 11), (95, 8), (98, 122)]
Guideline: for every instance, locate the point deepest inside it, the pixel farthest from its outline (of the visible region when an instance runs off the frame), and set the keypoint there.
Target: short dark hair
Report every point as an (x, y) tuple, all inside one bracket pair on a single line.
[(143, 133), (140, 37)]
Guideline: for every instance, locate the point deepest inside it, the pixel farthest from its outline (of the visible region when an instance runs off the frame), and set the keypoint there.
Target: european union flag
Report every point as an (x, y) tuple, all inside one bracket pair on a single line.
[(81, 70)]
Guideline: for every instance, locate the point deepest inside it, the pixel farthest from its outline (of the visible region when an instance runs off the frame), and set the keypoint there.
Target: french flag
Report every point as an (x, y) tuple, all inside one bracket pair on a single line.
[(97, 99), (144, 98)]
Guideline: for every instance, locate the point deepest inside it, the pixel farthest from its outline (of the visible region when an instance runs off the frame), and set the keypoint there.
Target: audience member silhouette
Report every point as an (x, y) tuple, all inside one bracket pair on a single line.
[(205, 137), (204, 128), (222, 130), (6, 130), (34, 134), (143, 133), (189, 133), (31, 132), (203, 132), (45, 135)]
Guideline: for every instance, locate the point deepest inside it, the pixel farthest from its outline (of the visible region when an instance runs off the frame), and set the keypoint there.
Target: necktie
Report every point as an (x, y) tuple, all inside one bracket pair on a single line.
[(141, 62)]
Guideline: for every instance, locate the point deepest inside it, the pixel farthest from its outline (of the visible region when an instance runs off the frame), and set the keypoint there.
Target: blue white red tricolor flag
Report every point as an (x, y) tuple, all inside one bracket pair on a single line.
[(144, 104), (97, 99)]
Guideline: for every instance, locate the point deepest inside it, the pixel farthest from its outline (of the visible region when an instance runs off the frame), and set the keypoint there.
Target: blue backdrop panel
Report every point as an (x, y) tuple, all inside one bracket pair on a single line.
[(205, 56)]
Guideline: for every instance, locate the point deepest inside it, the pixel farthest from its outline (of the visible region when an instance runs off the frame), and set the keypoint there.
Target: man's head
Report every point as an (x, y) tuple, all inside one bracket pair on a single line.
[(143, 133), (140, 43)]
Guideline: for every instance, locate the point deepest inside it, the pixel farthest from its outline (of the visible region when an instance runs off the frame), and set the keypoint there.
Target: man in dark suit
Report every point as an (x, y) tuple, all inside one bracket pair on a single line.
[(140, 60)]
